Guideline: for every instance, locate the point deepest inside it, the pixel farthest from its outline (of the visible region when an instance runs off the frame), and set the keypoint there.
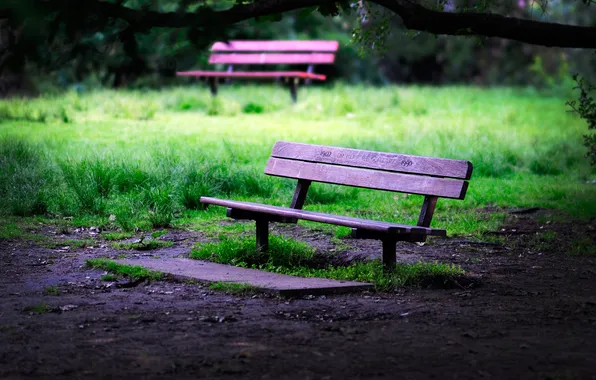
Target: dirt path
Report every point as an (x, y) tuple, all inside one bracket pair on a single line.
[(534, 317)]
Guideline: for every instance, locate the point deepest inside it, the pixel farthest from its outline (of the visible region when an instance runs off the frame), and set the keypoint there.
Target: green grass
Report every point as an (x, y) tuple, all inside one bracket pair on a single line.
[(135, 272), (583, 247), (291, 257), (111, 236), (140, 160), (283, 252), (12, 228), (157, 234), (109, 277), (233, 287), (147, 245)]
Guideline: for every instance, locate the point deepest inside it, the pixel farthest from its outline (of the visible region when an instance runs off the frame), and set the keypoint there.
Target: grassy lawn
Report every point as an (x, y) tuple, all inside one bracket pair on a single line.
[(128, 160)]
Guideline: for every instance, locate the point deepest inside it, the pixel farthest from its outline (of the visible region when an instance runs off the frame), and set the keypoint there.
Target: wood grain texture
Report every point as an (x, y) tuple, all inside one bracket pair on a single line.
[(370, 179), (427, 211), (272, 58), (300, 194), (251, 74), (296, 45), (263, 210), (402, 163)]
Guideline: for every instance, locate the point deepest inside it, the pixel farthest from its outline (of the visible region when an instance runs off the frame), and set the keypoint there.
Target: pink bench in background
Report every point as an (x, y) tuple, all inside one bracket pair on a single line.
[(232, 53)]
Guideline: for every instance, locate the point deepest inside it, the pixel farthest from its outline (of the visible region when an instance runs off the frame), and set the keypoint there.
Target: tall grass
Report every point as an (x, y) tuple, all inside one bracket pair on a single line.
[(145, 158)]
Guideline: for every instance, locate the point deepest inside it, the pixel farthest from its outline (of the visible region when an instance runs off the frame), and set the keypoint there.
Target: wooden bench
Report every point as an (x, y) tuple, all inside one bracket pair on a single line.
[(428, 176), (233, 53)]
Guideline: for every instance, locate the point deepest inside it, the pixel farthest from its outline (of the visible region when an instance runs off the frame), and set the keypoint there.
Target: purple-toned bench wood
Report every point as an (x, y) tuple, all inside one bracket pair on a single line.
[(233, 53), (428, 176)]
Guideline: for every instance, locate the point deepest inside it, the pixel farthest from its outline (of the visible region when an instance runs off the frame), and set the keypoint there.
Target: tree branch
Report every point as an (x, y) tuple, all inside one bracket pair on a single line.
[(415, 17)]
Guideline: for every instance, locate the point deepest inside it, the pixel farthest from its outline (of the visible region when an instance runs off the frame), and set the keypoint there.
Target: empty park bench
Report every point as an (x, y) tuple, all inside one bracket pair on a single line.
[(232, 53), (428, 176)]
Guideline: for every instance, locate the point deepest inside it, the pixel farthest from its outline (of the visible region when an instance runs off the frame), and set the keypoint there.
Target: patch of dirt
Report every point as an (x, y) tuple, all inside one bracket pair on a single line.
[(533, 318)]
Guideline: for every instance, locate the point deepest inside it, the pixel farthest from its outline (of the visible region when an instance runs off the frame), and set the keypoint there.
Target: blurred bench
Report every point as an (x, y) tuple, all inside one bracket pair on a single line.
[(232, 53), (428, 176)]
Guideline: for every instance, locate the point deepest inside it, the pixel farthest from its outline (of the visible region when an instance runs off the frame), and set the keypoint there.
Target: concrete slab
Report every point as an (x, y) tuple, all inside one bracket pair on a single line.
[(287, 286)]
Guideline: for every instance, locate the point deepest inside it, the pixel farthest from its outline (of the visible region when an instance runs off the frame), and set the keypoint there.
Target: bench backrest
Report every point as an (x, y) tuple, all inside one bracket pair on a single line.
[(435, 177), (273, 52)]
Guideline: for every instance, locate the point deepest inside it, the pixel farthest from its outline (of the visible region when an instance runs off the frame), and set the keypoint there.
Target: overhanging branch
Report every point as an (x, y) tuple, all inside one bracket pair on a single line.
[(415, 17)]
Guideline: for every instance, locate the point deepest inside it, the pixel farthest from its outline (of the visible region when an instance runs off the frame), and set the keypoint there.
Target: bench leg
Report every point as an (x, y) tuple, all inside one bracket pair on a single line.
[(213, 86), (389, 252), (262, 235), (294, 89)]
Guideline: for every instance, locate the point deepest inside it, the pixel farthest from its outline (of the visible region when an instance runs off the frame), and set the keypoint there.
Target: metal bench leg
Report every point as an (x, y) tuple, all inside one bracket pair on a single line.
[(262, 235), (389, 252)]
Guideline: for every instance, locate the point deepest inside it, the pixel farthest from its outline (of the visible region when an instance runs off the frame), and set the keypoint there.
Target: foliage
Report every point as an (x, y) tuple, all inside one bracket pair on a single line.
[(585, 107), (80, 47)]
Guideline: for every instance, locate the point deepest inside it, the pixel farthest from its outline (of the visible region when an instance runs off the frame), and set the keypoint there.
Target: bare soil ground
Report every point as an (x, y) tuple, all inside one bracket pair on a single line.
[(533, 317)]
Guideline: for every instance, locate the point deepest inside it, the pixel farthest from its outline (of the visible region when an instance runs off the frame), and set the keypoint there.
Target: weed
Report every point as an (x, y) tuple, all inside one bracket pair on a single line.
[(52, 290), (109, 277), (41, 308), (133, 271)]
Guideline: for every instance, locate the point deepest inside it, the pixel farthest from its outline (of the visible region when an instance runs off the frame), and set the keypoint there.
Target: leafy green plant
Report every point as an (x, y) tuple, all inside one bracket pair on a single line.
[(585, 107)]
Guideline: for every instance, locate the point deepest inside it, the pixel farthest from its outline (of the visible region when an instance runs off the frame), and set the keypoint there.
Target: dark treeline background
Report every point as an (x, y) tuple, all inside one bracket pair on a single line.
[(115, 57)]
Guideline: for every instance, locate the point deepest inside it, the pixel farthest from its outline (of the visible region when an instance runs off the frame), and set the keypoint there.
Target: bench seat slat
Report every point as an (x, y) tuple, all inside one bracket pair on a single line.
[(272, 58), (252, 74), (346, 221), (295, 45), (370, 179), (402, 163)]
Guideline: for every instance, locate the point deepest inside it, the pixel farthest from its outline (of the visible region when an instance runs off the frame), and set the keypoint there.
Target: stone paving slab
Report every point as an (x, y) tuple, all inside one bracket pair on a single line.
[(284, 285)]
